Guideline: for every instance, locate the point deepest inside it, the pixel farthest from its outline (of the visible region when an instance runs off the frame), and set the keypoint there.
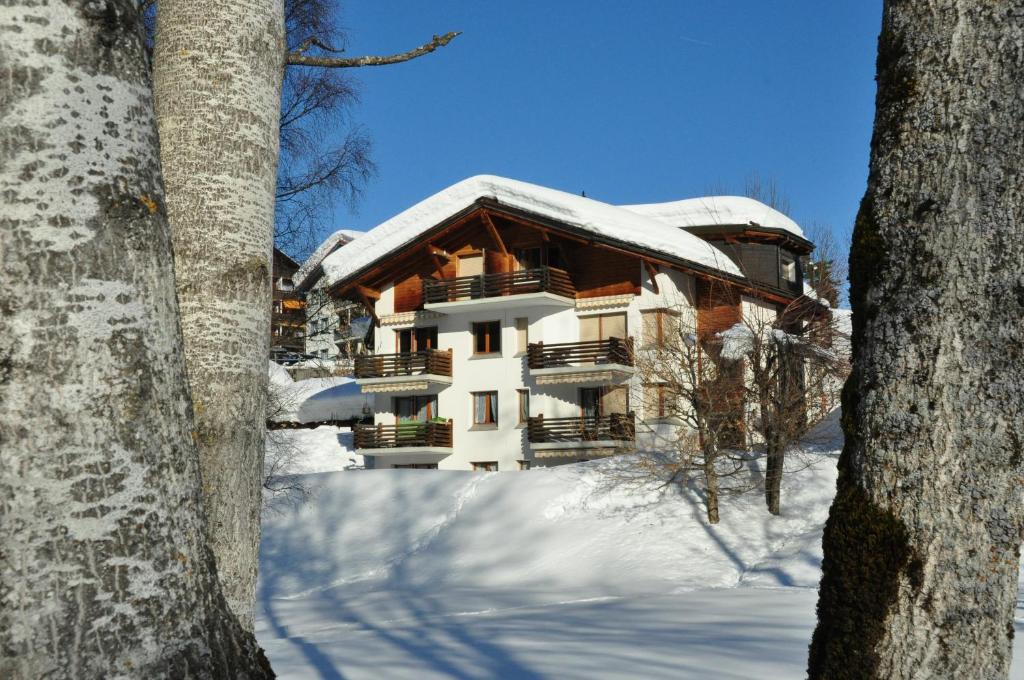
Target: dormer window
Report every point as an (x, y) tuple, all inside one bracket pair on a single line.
[(789, 269)]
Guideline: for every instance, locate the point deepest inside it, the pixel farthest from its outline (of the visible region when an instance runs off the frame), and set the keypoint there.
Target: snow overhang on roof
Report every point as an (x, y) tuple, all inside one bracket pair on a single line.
[(601, 219), (336, 240), (717, 210)]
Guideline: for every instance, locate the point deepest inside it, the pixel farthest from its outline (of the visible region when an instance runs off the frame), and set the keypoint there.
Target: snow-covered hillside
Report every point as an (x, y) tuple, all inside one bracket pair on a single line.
[(315, 399), (570, 572)]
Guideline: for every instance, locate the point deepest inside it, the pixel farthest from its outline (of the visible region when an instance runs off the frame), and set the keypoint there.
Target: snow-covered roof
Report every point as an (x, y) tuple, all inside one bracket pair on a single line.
[(717, 210), (619, 224), (336, 240)]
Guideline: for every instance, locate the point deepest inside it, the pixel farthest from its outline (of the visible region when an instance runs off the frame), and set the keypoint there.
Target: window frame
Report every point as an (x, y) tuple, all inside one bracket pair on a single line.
[(788, 264), (523, 404), (490, 408), (522, 334), (661, 410), (490, 346)]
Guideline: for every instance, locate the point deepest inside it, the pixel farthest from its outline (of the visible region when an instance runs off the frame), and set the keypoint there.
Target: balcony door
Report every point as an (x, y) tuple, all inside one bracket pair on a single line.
[(597, 402), (415, 409), (471, 264), (416, 339), (602, 327)]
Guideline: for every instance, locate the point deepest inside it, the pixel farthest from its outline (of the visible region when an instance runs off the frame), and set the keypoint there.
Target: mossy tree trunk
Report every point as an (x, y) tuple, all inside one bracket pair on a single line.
[(922, 542), (104, 567), (217, 80)]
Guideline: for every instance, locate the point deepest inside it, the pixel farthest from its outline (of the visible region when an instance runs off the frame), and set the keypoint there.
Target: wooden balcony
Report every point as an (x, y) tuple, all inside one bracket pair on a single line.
[(581, 435), (428, 438), (593, 362), (404, 372), (543, 286)]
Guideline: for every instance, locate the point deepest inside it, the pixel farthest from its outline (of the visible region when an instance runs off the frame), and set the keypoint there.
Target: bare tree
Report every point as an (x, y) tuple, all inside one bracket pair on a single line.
[(825, 270), (324, 154), (692, 408), (105, 570), (793, 368), (923, 539), (768, 191)]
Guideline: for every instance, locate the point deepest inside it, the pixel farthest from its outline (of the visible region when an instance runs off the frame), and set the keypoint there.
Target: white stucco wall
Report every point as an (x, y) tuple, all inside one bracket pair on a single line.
[(508, 372)]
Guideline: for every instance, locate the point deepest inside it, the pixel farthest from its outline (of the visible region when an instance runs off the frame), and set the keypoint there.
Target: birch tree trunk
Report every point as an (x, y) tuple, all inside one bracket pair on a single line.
[(104, 569), (217, 81), (922, 543)]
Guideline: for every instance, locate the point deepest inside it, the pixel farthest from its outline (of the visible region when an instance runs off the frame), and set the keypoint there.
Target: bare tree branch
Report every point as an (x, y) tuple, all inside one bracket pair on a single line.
[(298, 58)]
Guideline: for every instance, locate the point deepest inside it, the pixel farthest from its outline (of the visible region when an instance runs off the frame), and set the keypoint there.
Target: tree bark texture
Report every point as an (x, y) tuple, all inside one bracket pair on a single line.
[(217, 81), (922, 542), (104, 567)]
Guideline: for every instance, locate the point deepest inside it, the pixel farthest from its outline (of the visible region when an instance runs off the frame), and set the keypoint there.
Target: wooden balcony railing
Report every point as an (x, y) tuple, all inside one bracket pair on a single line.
[(433, 361), (412, 433), (615, 427), (559, 354), (539, 280)]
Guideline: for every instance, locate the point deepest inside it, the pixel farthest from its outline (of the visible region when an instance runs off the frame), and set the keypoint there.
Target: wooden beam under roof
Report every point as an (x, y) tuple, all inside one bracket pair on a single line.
[(652, 271), (368, 292), (368, 303), (493, 232)]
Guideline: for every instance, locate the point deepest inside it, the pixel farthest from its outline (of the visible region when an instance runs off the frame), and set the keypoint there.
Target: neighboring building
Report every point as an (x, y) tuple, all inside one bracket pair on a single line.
[(330, 332), (505, 314), (288, 316)]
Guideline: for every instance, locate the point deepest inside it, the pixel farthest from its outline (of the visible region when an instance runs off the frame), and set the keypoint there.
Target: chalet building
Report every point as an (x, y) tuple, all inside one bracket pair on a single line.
[(288, 316), (333, 325), (505, 315)]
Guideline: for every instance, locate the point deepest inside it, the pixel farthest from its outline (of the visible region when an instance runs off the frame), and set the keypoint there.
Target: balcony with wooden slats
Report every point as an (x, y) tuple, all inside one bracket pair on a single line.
[(594, 362), (423, 441), (538, 287), (405, 371), (581, 435)]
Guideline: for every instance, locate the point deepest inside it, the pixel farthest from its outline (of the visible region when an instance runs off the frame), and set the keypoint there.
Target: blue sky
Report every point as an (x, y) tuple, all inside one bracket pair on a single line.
[(631, 102)]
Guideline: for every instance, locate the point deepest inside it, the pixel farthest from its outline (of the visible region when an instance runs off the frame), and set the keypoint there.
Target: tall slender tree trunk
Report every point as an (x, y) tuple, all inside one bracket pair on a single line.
[(922, 543), (104, 567), (218, 70), (775, 460), (711, 487)]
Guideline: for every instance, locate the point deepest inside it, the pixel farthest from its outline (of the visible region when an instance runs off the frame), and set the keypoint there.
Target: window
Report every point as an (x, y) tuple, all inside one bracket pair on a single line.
[(488, 466), (471, 264), (788, 269), (415, 466), (522, 334), (554, 258), (598, 402), (524, 406), (528, 258), (661, 328), (602, 327), (524, 464), (485, 408), (416, 339), (655, 404), (419, 408), (487, 337)]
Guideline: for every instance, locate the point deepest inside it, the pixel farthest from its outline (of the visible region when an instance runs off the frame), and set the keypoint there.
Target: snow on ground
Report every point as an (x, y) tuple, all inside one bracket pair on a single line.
[(308, 451), (569, 572)]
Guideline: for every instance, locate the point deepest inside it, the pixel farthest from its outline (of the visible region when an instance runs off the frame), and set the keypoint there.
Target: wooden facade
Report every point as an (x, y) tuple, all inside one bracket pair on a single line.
[(505, 246)]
